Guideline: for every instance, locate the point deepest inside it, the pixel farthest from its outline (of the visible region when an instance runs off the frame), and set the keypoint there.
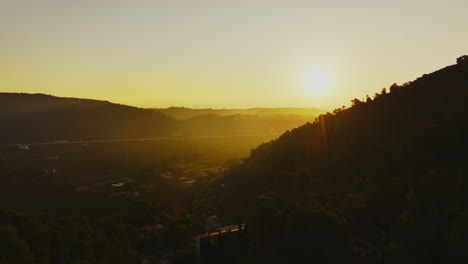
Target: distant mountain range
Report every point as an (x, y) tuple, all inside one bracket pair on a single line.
[(185, 113), (28, 118)]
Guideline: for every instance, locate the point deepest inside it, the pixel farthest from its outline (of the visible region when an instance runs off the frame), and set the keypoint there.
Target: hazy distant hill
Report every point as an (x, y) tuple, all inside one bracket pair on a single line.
[(242, 124), (28, 118), (240, 121), (37, 117), (391, 172), (185, 113)]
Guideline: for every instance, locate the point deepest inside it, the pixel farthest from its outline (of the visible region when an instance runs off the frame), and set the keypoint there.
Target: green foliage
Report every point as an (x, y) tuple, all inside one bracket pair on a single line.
[(299, 232), (356, 210), (269, 233), (463, 59), (13, 249), (457, 239), (77, 239), (395, 163), (314, 232)]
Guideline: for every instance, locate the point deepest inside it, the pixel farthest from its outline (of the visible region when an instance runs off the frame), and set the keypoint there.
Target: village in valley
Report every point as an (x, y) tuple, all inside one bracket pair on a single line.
[(161, 186)]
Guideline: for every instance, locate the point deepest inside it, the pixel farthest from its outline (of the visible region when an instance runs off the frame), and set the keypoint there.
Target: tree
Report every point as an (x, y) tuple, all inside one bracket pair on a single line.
[(457, 239), (356, 211), (414, 237), (463, 60), (313, 233), (394, 87), (13, 249), (356, 102), (268, 233)]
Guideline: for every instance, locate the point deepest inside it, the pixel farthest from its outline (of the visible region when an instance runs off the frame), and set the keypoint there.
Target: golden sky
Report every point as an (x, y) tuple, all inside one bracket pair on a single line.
[(216, 53)]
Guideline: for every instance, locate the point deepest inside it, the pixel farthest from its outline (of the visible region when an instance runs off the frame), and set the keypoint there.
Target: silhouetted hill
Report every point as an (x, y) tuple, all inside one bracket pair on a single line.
[(26, 103), (394, 166), (29, 118), (240, 121), (185, 113), (37, 117), (242, 124)]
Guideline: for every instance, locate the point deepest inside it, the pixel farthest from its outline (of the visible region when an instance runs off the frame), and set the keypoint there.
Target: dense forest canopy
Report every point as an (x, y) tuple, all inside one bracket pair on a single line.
[(395, 164)]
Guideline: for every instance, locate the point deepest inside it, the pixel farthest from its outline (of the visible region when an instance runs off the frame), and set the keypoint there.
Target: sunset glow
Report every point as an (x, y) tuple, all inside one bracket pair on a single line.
[(233, 131), (213, 53), (318, 83)]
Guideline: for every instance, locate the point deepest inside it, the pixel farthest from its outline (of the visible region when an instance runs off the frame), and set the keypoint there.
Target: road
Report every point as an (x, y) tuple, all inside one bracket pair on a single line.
[(119, 140)]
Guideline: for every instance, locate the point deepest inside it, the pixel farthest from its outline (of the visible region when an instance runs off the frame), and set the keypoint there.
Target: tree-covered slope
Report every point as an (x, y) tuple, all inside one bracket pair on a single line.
[(395, 163), (31, 118), (35, 117), (11, 103)]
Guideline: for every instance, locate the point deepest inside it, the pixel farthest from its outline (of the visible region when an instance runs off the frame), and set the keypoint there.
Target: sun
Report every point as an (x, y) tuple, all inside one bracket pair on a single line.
[(318, 83)]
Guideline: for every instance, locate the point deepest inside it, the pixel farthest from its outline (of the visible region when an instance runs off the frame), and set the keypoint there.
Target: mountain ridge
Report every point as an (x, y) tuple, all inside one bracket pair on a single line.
[(393, 166), (187, 113), (74, 119)]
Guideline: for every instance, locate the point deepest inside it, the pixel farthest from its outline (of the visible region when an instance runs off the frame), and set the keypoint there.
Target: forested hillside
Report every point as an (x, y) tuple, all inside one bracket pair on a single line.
[(32, 118), (11, 103), (394, 165), (27, 238), (36, 117)]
